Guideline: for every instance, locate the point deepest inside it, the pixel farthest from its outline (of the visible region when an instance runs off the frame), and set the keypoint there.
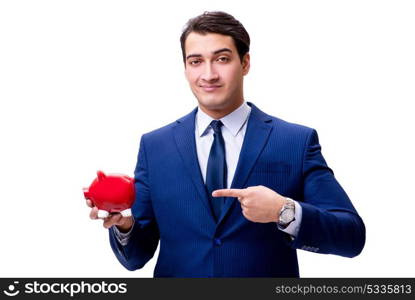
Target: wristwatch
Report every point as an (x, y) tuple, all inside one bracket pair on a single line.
[(287, 213)]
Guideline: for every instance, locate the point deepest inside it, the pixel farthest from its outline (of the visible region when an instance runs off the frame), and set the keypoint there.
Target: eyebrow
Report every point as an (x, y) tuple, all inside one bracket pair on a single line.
[(214, 53)]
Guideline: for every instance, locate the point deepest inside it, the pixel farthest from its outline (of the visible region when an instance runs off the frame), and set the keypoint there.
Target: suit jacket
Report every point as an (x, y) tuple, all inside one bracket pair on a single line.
[(172, 205)]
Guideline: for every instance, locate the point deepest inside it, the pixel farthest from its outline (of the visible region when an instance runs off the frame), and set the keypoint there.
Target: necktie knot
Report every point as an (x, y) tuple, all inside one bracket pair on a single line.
[(216, 125)]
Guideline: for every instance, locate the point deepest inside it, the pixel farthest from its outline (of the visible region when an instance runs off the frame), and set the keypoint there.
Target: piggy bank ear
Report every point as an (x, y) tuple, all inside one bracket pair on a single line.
[(101, 175)]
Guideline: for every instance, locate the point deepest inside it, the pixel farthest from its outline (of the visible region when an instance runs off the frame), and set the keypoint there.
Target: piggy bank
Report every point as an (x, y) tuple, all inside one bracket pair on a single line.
[(111, 193)]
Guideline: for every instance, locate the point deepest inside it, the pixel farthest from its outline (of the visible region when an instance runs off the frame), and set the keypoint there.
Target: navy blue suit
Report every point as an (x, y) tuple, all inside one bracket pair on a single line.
[(172, 205)]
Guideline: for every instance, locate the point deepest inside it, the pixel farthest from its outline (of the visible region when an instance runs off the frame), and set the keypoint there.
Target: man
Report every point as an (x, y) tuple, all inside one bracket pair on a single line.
[(228, 190)]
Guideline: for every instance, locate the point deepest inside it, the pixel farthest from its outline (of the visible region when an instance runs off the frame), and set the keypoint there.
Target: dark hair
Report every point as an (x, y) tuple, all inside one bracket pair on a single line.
[(217, 22)]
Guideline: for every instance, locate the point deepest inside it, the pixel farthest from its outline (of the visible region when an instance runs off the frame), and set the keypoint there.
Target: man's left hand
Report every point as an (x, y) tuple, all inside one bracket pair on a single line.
[(259, 203)]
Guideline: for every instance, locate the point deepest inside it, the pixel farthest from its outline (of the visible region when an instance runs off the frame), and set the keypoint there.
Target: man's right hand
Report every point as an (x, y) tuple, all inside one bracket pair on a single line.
[(123, 224)]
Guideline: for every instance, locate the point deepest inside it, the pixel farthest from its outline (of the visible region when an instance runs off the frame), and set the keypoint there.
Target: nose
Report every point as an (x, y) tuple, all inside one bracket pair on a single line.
[(209, 74)]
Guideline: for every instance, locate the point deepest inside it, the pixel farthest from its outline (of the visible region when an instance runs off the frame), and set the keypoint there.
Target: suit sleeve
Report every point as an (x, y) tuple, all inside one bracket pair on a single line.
[(144, 237), (330, 224)]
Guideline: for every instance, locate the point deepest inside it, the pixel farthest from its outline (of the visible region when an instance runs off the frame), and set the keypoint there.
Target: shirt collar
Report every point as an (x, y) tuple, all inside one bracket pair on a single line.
[(233, 121)]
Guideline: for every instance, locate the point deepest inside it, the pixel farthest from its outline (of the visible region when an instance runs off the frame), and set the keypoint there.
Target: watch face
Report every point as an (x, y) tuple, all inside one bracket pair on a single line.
[(287, 216)]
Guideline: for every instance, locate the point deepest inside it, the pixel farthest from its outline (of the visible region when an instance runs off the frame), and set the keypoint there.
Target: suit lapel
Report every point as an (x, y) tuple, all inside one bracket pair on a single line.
[(257, 133), (184, 135)]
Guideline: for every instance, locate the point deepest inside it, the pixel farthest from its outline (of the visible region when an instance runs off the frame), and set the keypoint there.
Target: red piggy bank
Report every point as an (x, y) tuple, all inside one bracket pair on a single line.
[(111, 193)]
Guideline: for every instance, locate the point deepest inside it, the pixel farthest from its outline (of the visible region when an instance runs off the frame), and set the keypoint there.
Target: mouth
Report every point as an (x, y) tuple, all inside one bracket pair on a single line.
[(210, 88)]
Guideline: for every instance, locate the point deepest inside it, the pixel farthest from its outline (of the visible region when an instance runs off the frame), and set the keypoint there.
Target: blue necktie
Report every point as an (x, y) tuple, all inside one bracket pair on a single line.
[(216, 174)]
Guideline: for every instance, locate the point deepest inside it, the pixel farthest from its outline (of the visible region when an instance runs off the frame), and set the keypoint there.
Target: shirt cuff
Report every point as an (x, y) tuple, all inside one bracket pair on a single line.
[(294, 226), (123, 237)]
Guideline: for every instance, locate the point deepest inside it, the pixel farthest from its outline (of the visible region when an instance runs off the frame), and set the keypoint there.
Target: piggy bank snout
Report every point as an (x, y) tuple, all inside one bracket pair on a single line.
[(87, 194)]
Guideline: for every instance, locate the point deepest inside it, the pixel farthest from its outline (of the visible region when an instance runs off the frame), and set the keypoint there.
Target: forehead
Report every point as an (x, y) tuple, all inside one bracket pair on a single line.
[(205, 44)]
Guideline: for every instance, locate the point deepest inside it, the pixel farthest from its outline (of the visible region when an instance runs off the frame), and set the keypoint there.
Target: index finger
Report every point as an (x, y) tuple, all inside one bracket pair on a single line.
[(228, 193)]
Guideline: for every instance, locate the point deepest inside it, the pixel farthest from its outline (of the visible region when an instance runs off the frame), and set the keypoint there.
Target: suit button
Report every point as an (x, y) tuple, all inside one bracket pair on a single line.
[(218, 242)]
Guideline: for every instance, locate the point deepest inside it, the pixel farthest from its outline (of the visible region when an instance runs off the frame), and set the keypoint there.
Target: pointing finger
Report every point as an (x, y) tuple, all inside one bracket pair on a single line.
[(228, 193)]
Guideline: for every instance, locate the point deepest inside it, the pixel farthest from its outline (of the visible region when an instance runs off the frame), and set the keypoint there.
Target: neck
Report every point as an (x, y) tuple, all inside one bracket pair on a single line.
[(221, 112)]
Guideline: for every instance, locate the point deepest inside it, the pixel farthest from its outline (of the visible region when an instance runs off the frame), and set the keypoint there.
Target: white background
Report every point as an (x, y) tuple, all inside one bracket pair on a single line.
[(81, 81)]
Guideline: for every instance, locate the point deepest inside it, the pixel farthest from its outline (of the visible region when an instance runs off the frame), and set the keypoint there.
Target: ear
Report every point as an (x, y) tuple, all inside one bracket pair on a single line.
[(101, 175), (246, 63)]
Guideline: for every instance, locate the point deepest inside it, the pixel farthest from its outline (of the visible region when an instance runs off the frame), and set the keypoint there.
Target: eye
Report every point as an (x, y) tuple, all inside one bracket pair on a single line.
[(194, 62), (223, 59)]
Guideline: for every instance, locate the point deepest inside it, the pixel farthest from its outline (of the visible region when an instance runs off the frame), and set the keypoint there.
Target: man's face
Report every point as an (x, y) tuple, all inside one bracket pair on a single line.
[(214, 71)]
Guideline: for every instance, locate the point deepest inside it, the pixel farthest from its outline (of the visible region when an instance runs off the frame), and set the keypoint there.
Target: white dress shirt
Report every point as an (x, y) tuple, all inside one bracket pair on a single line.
[(233, 132)]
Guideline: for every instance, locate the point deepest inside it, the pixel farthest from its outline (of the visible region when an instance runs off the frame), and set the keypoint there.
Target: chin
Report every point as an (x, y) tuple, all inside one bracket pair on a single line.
[(211, 100)]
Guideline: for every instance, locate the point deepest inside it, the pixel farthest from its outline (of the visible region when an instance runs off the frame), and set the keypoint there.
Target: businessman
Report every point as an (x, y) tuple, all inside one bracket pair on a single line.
[(228, 190)]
